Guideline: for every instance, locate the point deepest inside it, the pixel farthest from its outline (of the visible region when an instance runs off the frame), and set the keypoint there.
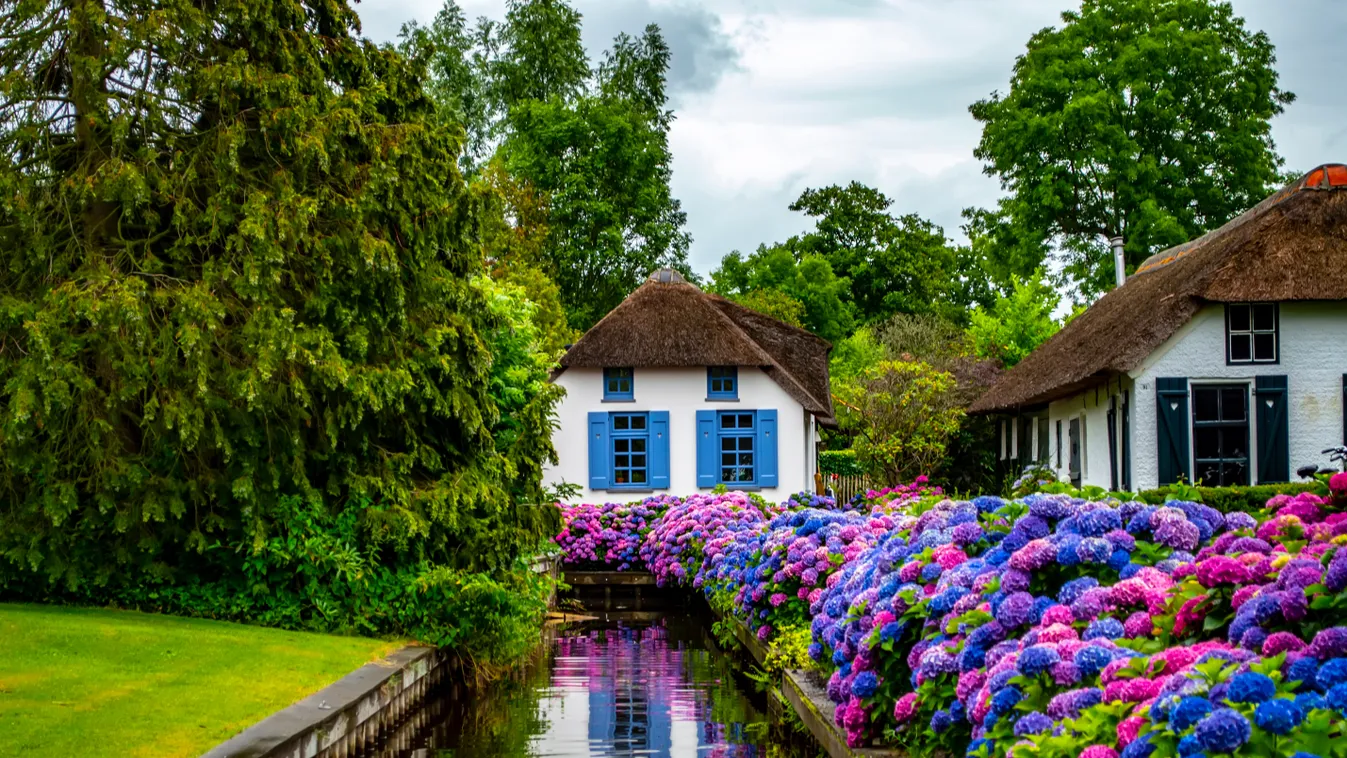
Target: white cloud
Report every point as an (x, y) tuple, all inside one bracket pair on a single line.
[(775, 96)]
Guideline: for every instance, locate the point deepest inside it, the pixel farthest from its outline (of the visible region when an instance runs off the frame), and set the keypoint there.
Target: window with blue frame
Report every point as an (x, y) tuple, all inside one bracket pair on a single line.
[(630, 439), (629, 451), (737, 432), (737, 449), (619, 384), (722, 383)]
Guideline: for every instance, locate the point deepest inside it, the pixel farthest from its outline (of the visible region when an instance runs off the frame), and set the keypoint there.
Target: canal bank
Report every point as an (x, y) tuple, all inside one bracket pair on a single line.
[(625, 668)]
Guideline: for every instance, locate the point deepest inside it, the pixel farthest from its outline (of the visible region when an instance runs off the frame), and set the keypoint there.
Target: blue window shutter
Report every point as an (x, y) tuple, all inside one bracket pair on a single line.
[(598, 451), (767, 454), (706, 449), (1274, 449), (659, 450), (1172, 434)]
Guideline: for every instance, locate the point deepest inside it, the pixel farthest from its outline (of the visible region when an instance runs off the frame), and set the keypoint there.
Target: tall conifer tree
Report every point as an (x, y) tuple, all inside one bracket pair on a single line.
[(235, 297)]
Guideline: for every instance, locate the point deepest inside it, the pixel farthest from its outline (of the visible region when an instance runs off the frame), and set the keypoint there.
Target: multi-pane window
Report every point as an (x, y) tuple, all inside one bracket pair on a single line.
[(1251, 333), (630, 438), (618, 384), (722, 383), (1221, 434), (737, 435)]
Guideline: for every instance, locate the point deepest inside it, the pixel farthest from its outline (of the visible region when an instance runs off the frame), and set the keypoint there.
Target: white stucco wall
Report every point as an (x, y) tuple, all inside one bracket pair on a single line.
[(681, 392), (1092, 408), (1313, 358)]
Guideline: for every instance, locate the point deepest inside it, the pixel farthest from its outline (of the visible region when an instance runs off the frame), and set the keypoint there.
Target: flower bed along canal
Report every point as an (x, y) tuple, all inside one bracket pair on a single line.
[(657, 688)]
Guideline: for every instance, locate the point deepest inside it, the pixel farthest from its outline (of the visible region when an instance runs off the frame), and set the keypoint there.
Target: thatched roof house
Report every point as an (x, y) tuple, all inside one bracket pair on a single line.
[(709, 391), (1288, 254), (669, 323)]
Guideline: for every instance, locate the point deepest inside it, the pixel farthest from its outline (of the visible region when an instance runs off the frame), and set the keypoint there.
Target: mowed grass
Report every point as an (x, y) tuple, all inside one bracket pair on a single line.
[(88, 682)]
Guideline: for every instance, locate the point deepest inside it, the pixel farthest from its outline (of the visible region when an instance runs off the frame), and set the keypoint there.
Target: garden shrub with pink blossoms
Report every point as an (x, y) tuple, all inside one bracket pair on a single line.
[(1046, 626)]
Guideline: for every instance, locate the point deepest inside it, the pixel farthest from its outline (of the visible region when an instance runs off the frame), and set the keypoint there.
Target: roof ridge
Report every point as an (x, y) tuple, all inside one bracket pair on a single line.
[(1326, 177), (707, 301)]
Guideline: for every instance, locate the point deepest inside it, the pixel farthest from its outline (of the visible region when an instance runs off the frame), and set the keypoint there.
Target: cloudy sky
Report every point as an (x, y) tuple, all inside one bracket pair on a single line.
[(774, 96)]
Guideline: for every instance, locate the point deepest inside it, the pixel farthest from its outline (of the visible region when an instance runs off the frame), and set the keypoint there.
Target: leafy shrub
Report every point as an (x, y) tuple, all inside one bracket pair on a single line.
[(903, 415), (1231, 499), (840, 462)]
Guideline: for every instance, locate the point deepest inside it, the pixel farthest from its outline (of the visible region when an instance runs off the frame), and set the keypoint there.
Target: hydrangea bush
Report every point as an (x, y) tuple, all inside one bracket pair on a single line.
[(608, 535), (1044, 626)]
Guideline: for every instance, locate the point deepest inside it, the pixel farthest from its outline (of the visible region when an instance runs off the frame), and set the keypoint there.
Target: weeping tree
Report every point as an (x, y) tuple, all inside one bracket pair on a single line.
[(239, 342)]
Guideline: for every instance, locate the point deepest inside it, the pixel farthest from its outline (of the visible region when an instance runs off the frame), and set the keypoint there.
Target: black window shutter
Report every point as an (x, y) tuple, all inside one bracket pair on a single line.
[(1113, 444), (1043, 441), (1172, 419), (1127, 441), (1274, 449), (1059, 433)]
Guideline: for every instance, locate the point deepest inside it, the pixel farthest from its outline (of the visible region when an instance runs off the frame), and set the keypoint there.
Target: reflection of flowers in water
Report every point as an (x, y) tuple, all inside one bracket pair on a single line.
[(647, 690)]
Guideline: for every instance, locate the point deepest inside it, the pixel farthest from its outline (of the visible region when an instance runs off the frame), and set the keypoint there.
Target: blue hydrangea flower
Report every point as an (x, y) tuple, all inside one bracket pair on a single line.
[(1094, 550), (1331, 674), (1092, 659), (865, 684), (1189, 711), (1072, 590), (1305, 671), (1037, 659), (1278, 716), (1105, 628), (1005, 700), (1311, 701), (1251, 687), (1141, 747), (1337, 697), (1223, 731), (941, 721), (1032, 723), (1189, 747)]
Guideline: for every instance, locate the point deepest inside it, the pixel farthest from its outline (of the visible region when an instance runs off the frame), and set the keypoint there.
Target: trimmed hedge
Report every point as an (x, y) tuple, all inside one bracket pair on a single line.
[(840, 462), (1230, 499)]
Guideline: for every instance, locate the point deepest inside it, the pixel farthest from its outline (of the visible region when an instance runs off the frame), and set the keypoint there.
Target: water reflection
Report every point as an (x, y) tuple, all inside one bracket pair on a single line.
[(657, 690)]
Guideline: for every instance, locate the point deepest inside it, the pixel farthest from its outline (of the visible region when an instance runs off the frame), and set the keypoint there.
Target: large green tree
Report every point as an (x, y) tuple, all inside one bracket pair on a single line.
[(774, 282), (1145, 119), (858, 265), (236, 311), (895, 264), (591, 142)]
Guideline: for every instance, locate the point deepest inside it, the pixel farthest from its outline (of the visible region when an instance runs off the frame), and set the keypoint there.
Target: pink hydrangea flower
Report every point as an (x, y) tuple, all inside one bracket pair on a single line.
[(905, 708), (1128, 729)]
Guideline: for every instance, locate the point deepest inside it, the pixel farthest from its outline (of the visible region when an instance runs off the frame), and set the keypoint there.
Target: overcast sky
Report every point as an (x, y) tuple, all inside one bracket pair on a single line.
[(774, 96)]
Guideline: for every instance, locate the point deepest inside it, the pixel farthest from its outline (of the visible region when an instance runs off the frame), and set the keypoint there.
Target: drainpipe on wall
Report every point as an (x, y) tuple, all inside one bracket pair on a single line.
[(1119, 260)]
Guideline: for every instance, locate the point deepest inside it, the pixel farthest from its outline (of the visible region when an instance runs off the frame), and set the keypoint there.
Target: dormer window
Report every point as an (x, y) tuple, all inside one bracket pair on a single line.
[(722, 383), (1251, 333), (618, 384)]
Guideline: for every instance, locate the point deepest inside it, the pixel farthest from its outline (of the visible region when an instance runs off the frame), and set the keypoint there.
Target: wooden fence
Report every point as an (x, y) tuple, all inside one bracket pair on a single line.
[(846, 486)]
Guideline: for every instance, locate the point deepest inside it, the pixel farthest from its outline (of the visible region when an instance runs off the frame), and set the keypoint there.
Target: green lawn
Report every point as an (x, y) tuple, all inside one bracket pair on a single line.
[(88, 682)]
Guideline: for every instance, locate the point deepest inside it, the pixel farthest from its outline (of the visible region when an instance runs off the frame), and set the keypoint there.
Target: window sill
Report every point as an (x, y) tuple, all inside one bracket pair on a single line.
[(627, 491), (619, 400), (722, 399), (742, 488)]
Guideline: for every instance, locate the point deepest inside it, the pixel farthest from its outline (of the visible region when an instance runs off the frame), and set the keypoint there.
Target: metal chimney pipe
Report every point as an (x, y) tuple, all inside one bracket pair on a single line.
[(1119, 260)]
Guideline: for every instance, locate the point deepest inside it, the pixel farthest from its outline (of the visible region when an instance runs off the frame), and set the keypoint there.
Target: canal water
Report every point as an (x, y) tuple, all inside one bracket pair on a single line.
[(658, 689)]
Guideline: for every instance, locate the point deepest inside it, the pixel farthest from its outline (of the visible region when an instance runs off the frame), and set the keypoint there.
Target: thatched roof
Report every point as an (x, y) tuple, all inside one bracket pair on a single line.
[(1291, 246), (669, 323)]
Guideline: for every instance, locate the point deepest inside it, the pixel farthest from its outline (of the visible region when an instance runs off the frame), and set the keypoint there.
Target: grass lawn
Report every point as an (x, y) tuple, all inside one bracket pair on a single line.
[(89, 682)]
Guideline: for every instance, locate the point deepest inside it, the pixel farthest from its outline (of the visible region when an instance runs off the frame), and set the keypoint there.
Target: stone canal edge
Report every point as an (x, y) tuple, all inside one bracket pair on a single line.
[(347, 717)]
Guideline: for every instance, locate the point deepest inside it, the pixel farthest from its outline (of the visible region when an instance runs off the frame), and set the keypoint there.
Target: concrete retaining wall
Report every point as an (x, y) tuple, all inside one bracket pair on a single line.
[(369, 707)]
